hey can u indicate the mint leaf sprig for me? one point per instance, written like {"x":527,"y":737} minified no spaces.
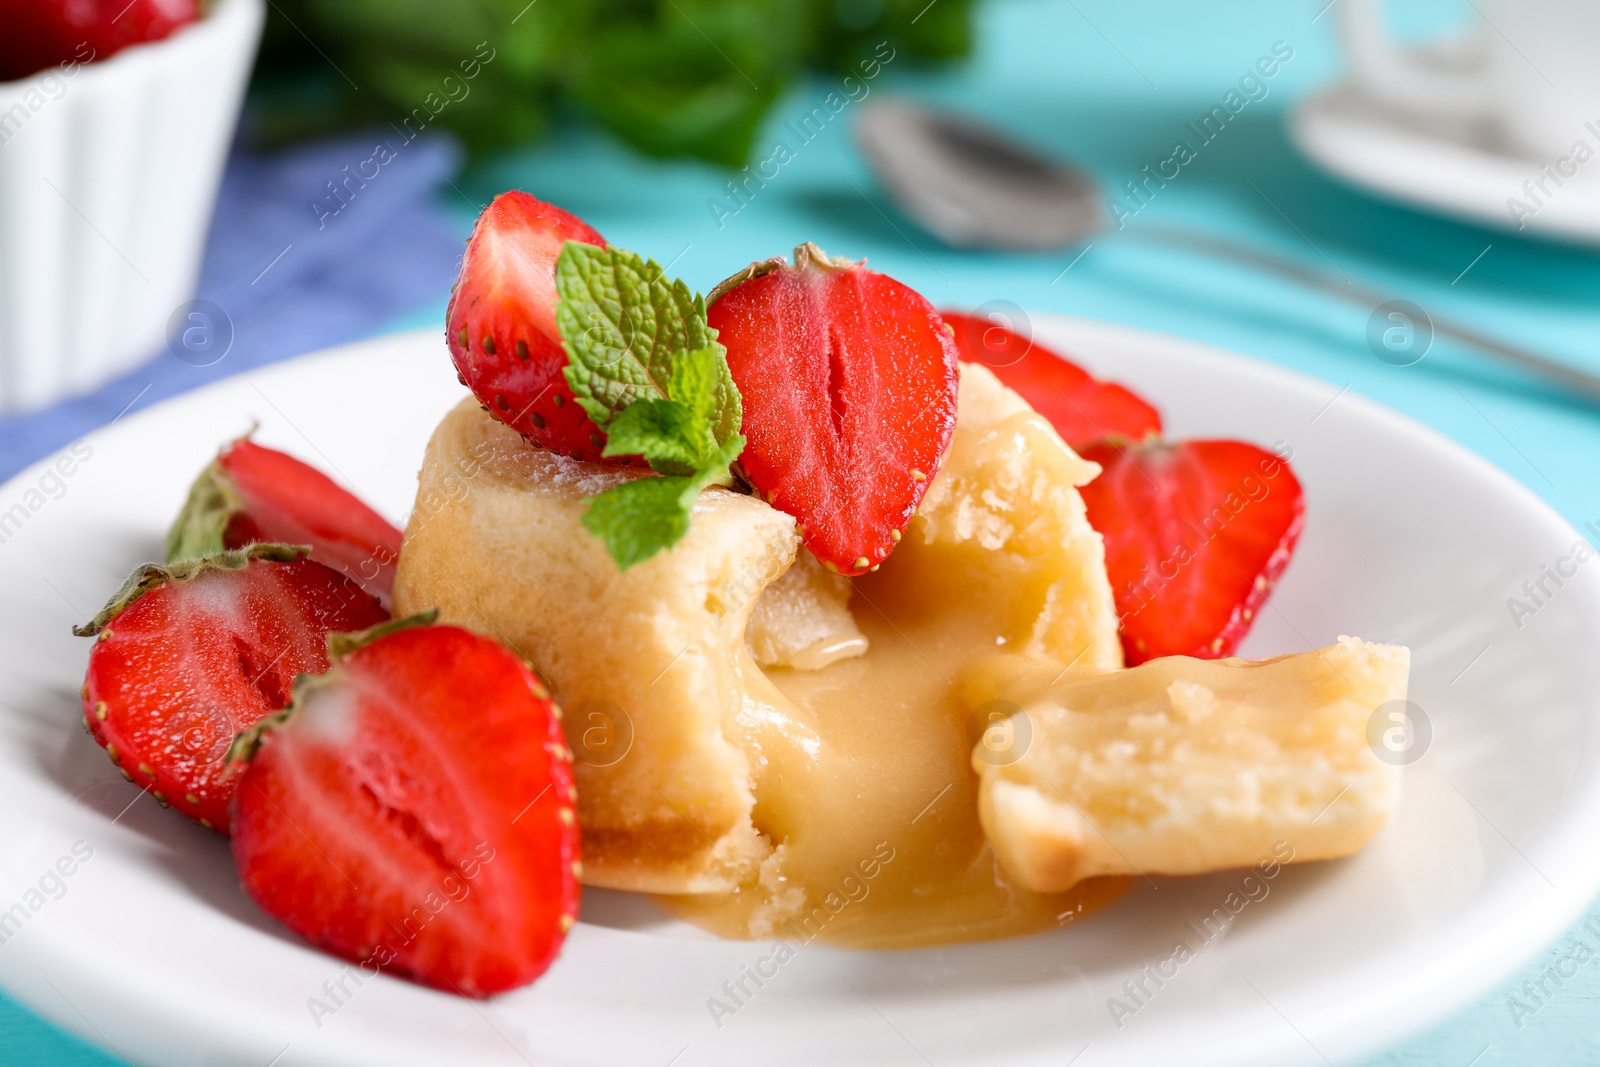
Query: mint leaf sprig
{"x":645,"y":366}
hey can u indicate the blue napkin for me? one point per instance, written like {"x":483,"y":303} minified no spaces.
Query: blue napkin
{"x":323,"y":243}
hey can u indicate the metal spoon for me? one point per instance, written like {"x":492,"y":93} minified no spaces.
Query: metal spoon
{"x":974,"y":187}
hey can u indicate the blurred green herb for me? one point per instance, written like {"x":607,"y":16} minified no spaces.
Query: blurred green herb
{"x":670,"y":77}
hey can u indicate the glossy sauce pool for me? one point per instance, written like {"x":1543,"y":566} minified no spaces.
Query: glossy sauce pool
{"x":864,"y":776}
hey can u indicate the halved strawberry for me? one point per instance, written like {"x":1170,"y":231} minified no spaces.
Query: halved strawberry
{"x":501,"y":323}
{"x":1196,"y":534}
{"x":414,"y":809}
{"x":190,"y":654}
{"x":849,"y":385}
{"x":251,"y":494}
{"x":1082,"y":408}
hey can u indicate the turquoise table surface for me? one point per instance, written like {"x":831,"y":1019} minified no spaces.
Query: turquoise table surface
{"x":1113,"y":85}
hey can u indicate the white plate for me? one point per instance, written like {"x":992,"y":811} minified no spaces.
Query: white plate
{"x":1455,"y":168}
{"x":154,"y":949}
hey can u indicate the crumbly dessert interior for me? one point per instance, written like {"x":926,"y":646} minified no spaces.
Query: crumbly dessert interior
{"x":1182,"y":766}
{"x":803,"y":620}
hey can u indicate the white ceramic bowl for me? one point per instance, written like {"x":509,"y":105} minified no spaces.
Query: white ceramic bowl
{"x":108,"y":174}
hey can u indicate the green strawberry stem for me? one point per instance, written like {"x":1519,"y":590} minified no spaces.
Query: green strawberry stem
{"x":342,"y":644}
{"x":203,"y":523}
{"x":149,"y":575}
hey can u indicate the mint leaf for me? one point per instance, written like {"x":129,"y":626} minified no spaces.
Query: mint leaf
{"x":698,"y":384}
{"x":676,"y":435}
{"x":658,"y":430}
{"x":626,"y":328}
{"x":639,"y":518}
{"x":648,"y":370}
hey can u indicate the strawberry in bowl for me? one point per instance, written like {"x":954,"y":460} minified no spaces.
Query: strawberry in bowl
{"x":91,"y":93}
{"x":42,"y":33}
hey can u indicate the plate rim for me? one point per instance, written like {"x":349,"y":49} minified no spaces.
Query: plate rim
{"x":1320,"y":134}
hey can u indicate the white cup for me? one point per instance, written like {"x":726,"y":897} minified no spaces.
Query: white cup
{"x":1531,"y":71}
{"x":108,"y":173}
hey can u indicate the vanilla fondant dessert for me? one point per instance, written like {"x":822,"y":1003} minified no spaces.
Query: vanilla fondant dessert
{"x":793,"y":730}
{"x":852,"y":642}
{"x":784,"y":724}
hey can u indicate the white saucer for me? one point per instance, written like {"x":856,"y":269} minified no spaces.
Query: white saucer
{"x":1457,"y":169}
{"x":150,"y":946}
